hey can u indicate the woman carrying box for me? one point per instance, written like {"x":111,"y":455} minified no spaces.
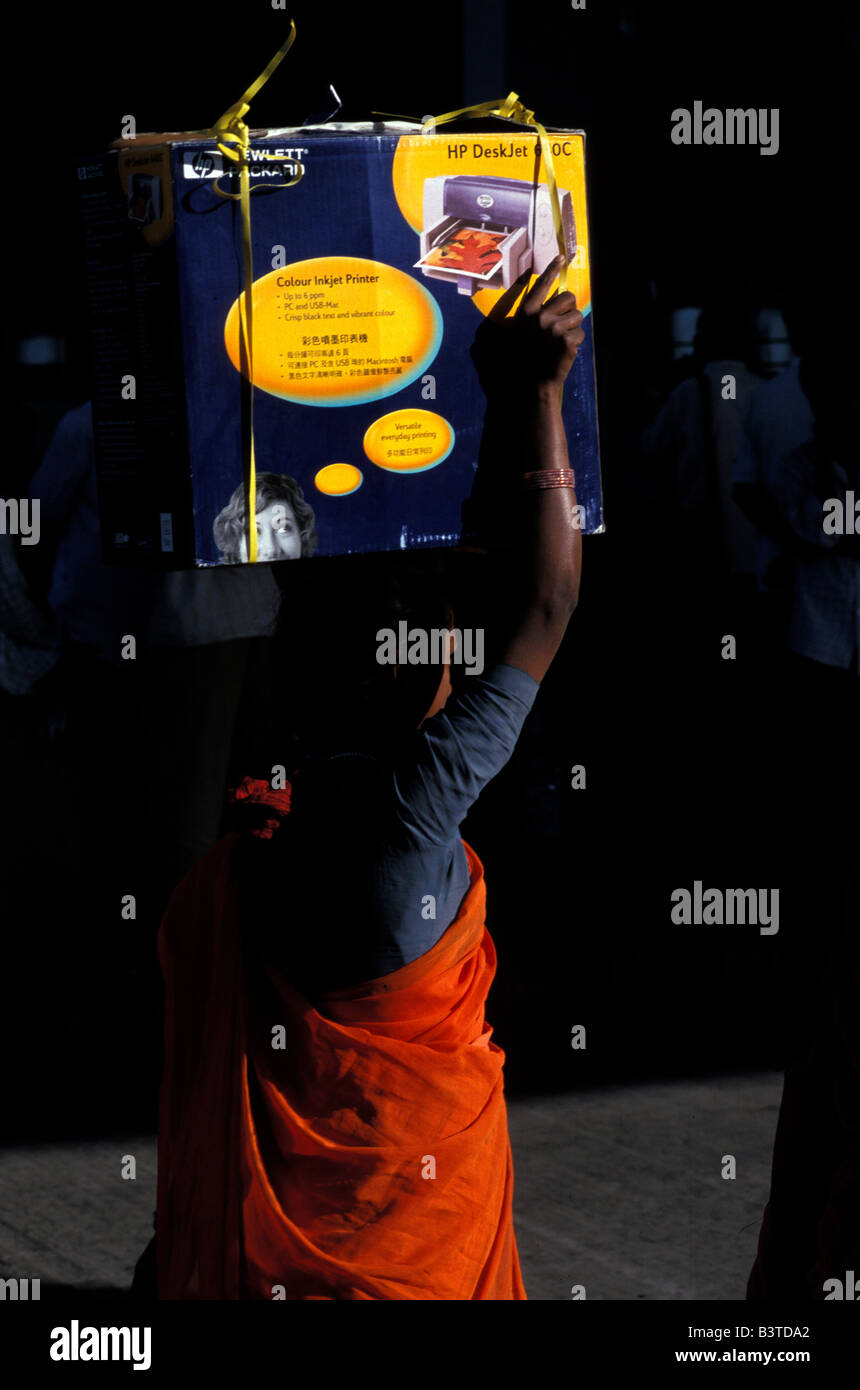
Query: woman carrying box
{"x":332,"y":1121}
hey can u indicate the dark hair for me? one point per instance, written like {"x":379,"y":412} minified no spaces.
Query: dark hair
{"x":229,"y":524}
{"x":333,"y":693}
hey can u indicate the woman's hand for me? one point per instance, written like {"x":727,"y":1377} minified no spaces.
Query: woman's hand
{"x":533,"y":351}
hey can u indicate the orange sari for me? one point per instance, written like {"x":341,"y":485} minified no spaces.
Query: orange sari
{"x":358,"y":1149}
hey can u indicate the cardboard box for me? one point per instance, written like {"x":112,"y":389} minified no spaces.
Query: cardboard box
{"x":371,"y":273}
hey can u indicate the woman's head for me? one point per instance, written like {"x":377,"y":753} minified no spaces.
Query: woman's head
{"x":337,"y":691}
{"x":286,"y":526}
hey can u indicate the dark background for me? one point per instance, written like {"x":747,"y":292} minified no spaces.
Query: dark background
{"x":696,"y":767}
{"x":671,"y":224}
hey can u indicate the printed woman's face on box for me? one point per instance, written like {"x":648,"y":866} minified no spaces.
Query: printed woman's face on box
{"x":278,"y":536}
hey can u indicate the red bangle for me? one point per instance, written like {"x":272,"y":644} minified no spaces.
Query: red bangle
{"x":549,"y":477}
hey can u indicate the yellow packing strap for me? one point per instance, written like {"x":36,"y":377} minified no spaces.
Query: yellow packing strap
{"x":233,"y":139}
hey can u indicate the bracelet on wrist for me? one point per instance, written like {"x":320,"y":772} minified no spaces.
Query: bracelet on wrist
{"x":548,"y":477}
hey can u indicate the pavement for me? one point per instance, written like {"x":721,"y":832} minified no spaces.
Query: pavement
{"x":618,"y":1191}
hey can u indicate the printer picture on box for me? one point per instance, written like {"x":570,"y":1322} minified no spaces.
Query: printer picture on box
{"x":482,"y":232}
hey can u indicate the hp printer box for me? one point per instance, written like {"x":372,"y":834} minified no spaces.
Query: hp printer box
{"x":376,"y":250}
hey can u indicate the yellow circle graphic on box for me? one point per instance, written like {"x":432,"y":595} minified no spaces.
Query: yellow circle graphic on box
{"x":338,"y":330}
{"x":409,"y":441}
{"x":338,"y":479}
{"x":422,"y":173}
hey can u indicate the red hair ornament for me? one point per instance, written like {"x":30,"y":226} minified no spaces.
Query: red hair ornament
{"x":258,"y":792}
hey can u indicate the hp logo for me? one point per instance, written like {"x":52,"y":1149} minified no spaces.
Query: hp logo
{"x":203,"y":164}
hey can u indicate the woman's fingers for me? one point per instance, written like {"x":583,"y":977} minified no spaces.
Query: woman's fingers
{"x":546,"y":326}
{"x":560,"y":322}
{"x":564,"y":304}
{"x":532,"y":302}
